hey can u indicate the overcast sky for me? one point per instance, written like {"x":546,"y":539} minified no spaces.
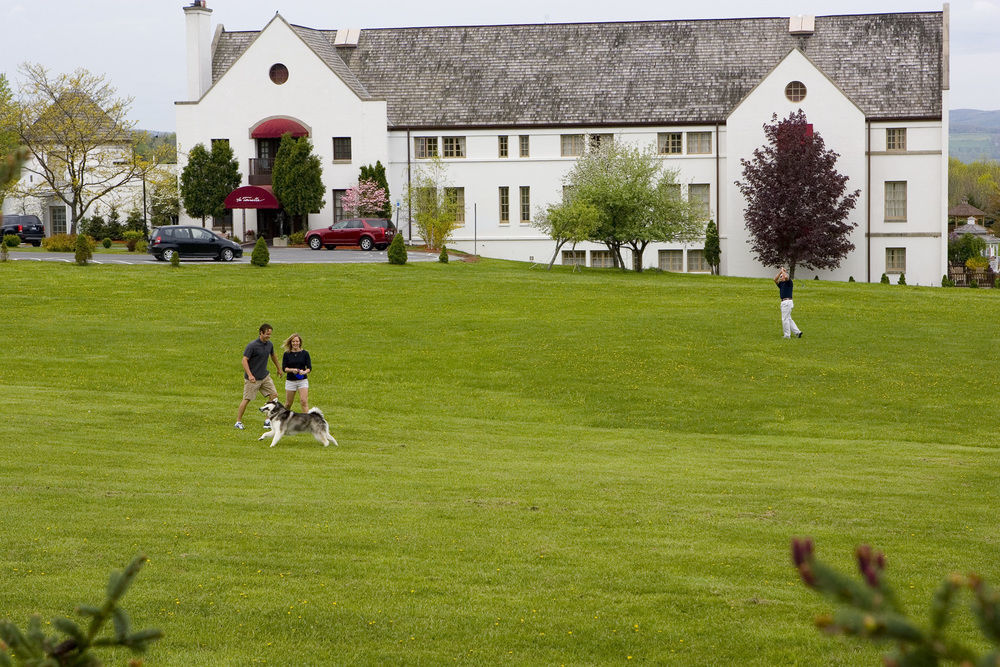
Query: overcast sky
{"x":139,"y":44}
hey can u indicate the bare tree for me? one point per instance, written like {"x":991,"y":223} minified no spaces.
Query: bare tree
{"x":80,"y":140}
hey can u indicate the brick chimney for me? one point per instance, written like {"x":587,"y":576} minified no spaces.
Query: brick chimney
{"x":199,"y":48}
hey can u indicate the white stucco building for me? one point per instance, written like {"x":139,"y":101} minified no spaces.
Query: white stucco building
{"x":510,"y":108}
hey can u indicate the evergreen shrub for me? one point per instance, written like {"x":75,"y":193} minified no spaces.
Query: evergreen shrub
{"x":902,"y":279}
{"x":4,"y":255}
{"x":885,"y":279}
{"x":397,"y":250}
{"x":260,"y":256}
{"x":84,"y":249}
{"x":175,"y":259}
{"x":298,"y":238}
{"x":11,"y":240}
{"x":141,"y":245}
{"x":132,"y":237}
{"x":973,"y":284}
{"x":850,"y":279}
{"x":106,"y":242}
{"x":443,"y":257}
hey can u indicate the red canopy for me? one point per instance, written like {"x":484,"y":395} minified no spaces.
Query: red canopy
{"x":252,"y":196}
{"x":274,"y":128}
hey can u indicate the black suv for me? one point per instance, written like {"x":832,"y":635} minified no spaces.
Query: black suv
{"x":191,"y":241}
{"x":27,"y":227}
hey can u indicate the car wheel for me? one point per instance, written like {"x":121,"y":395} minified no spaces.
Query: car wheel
{"x":381,"y":246}
{"x":315,"y":242}
{"x":330,"y":247}
{"x":366,"y":243}
{"x":167,"y":255}
{"x":226,"y":255}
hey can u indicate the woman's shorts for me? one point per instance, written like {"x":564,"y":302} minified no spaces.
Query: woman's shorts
{"x":295,"y":385}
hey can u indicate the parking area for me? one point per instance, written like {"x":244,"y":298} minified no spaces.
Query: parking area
{"x":278,"y":256}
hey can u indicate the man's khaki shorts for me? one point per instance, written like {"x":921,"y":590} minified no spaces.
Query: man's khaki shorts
{"x":265,"y":387}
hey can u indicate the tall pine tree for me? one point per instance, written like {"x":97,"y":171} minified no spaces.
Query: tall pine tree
{"x":297,"y":179}
{"x":796,"y":209}
{"x":377,"y":174}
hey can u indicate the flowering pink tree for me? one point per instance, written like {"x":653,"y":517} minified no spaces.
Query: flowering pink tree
{"x":367,"y":198}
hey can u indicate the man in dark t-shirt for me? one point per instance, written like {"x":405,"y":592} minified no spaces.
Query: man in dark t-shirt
{"x":256,"y":377}
{"x":784,"y":283}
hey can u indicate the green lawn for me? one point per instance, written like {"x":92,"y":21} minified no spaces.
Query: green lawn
{"x":534,"y":467}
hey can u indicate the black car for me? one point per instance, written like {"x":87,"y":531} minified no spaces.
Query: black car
{"x":28,"y":227}
{"x":189,"y":241}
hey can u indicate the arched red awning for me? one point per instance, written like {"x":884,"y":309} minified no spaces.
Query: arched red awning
{"x":252,"y":196}
{"x":276,"y":127}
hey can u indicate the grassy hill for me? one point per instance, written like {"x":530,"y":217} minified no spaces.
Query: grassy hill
{"x":974,"y":135}
{"x":534,"y":467}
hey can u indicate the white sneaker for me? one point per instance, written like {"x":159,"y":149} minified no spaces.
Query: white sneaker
{"x":238,"y":425}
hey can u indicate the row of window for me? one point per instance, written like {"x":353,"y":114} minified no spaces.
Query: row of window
{"x":570,"y":145}
{"x":669,"y":260}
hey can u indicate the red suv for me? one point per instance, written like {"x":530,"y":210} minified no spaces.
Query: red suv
{"x":365,"y":232}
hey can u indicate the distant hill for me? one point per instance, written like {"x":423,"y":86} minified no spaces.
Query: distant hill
{"x":974,"y":135}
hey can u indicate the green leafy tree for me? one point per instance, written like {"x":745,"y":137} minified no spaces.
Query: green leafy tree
{"x":297,"y":179}
{"x":638,"y":200}
{"x":164,"y":198}
{"x":570,"y":221}
{"x":978,"y":182}
{"x":260,"y":255}
{"x":397,"y":250}
{"x":713,"y":251}
{"x":964,"y":248}
{"x":78,"y":133}
{"x":376,"y":174}
{"x":433,"y":210}
{"x":796,"y":207}
{"x":207,"y":179}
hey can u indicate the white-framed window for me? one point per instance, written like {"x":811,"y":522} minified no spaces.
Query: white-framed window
{"x":504,"y":205}
{"x":571,"y":145}
{"x":341,"y":149}
{"x":895,"y":201}
{"x":598,"y":140}
{"x":699,"y":143}
{"x":671,"y":260}
{"x":456,"y":196}
{"x":895,"y":139}
{"x":525,"y":142}
{"x":669,"y":143}
{"x":57,"y":215}
{"x":453,"y":146}
{"x":696,"y":262}
{"x":338,"y":205}
{"x":502,"y":146}
{"x":574,"y":257}
{"x":525,"y":204}
{"x":895,"y":260}
{"x":425,"y":147}
{"x":700,"y":196}
{"x":601,"y":259}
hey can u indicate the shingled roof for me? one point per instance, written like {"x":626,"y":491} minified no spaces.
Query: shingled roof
{"x":629,"y":73}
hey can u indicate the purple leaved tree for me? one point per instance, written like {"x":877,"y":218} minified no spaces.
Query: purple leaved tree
{"x":366,"y":199}
{"x":796,"y":209}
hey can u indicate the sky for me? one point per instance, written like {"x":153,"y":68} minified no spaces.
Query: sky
{"x":139,"y":44}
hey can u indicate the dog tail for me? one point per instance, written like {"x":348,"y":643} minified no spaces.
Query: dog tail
{"x":317,"y":411}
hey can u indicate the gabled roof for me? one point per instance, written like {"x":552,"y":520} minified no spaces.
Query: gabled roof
{"x":965,"y":210}
{"x":629,"y":73}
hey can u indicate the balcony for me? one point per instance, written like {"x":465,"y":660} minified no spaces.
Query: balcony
{"x":260,"y":170}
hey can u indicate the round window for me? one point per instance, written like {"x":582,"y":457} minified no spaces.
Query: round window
{"x":795,"y":91}
{"x":278,"y":73}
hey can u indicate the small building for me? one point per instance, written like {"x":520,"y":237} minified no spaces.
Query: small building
{"x":509,"y":108}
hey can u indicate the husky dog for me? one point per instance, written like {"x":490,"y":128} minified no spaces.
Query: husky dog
{"x":285,"y":422}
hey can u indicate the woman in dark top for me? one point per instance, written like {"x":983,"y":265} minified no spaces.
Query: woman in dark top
{"x":296,"y":365}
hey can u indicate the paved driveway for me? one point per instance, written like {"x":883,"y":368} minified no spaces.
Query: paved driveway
{"x":278,"y":256}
